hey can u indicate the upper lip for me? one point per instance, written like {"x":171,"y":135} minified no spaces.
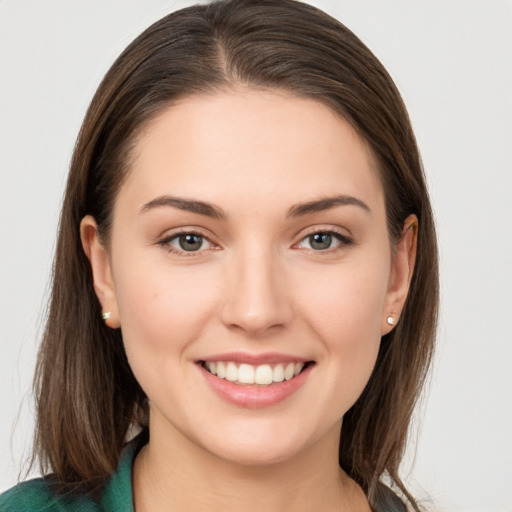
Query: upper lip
{"x":255,"y":359}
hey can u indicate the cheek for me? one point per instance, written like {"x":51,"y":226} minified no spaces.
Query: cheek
{"x":345,"y":313}
{"x":161,"y":308}
{"x":348,"y":303}
{"x":162,"y":314}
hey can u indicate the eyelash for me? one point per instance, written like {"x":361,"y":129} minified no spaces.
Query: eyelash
{"x":342,"y":239}
{"x":165,"y":243}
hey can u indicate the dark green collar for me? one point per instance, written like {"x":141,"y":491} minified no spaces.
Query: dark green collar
{"x":117,"y":495}
{"x":118,"y":492}
{"x":38,"y":495}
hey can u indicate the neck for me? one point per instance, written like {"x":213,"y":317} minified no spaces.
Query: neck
{"x":173,"y":473}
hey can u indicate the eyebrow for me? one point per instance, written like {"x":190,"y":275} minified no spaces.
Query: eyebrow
{"x":326,"y":203}
{"x":188,"y":205}
{"x":215,"y":212}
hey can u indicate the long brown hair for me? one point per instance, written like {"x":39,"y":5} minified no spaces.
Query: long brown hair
{"x":87,"y":396}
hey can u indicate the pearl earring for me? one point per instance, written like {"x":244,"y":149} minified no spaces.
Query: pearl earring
{"x":390,"y":320}
{"x":106,"y":315}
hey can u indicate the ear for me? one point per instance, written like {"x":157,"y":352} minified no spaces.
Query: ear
{"x":404,"y":259}
{"x":101,"y":270}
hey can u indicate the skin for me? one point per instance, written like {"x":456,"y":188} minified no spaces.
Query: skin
{"x":256,"y":285}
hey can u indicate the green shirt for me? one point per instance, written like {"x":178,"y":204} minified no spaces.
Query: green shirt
{"x":37,"y":496}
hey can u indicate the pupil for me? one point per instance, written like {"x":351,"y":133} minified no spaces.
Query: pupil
{"x":320,"y":241}
{"x":190,"y":242}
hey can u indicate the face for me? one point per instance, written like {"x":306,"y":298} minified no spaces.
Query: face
{"x":250,"y":270}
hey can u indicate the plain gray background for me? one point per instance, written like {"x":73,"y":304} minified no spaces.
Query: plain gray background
{"x":452,"y":61}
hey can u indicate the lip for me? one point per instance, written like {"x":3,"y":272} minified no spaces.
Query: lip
{"x":254,"y":396}
{"x":255,"y":359}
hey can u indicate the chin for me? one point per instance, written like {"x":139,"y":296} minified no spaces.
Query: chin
{"x":256,"y":454}
{"x":263,"y":445}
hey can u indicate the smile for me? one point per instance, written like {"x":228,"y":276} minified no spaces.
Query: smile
{"x":247,"y":374}
{"x":255,"y":381}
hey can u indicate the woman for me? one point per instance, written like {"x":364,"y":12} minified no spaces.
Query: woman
{"x":245,"y":276}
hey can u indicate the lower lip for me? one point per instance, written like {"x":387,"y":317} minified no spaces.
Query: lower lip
{"x":255,"y":396}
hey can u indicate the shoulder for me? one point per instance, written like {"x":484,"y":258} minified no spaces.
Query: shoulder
{"x":34,"y":493}
{"x":37,"y":496}
{"x":388,"y":501}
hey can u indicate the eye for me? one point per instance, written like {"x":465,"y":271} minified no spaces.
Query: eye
{"x":187,"y":242}
{"x":323,"y":241}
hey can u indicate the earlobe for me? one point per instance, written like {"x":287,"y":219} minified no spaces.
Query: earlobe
{"x":404,"y":259}
{"x":100,"y":265}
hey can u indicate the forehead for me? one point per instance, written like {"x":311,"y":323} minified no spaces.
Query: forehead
{"x":250,"y":144}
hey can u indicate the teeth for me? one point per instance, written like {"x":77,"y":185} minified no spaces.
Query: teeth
{"x":246,"y":374}
{"x":279,"y":373}
{"x":231,"y":372}
{"x":262,"y":375}
{"x":288,"y":371}
{"x":221,"y":370}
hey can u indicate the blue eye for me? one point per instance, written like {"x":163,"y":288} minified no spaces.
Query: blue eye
{"x":187,"y":242}
{"x":320,"y":241}
{"x":323,"y":241}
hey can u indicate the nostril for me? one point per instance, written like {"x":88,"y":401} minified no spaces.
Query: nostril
{"x":256,"y":301}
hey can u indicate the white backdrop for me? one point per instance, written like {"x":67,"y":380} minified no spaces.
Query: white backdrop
{"x":451,"y":59}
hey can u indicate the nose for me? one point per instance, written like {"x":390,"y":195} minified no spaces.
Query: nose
{"x":256,"y":294}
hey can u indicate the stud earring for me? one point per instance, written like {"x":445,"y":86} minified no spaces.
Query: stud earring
{"x":390,"y":320}
{"x":106,"y":315}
